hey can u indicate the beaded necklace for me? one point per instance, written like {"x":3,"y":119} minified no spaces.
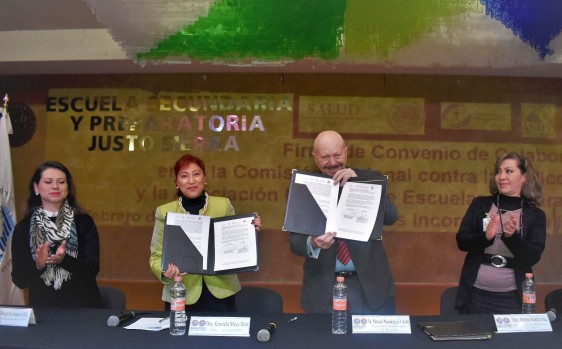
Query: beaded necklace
{"x":201,"y":211}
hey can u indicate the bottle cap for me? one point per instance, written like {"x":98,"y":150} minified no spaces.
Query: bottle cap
{"x":529,"y":275}
{"x":178,"y":278}
{"x":340,"y":279}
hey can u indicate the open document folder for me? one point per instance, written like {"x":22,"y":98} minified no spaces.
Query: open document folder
{"x":316,"y":206}
{"x":204,"y":245}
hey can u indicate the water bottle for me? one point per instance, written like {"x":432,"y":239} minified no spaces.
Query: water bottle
{"x":529,"y":295}
{"x":178,"y":319}
{"x":339,"y":307}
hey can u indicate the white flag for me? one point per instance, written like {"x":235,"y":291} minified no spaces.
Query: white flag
{"x":9,"y":293}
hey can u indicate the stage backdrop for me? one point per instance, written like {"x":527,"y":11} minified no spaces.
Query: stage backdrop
{"x":435,"y":137}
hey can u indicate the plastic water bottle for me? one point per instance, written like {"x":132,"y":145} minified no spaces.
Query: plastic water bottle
{"x":529,"y":295}
{"x":178,"y":319}
{"x":339,"y":307}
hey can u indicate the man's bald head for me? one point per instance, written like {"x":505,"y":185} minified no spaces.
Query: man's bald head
{"x":330,"y":152}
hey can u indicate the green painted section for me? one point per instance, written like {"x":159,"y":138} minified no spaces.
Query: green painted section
{"x":266,"y":30}
{"x":377,"y":27}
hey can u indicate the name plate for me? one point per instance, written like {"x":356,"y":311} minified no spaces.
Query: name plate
{"x":381,"y":324}
{"x":508,"y":323}
{"x":219,"y":326}
{"x":20,"y":317}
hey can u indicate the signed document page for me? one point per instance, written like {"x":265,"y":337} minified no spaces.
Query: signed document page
{"x":315,"y":205}
{"x":203,"y":245}
{"x":196,"y":228}
{"x":356,"y":213}
{"x":235,"y":242}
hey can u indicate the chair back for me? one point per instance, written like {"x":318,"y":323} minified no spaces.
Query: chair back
{"x":258,"y":300}
{"x":112,"y":298}
{"x":447,"y":303}
{"x":553,"y":300}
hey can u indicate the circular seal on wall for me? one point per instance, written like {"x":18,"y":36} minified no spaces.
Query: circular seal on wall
{"x":23,"y":122}
{"x":456,"y":116}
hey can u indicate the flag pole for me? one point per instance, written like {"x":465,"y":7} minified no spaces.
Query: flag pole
{"x":10,"y":294}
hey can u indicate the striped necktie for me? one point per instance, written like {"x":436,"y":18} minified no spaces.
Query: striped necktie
{"x":343,"y":252}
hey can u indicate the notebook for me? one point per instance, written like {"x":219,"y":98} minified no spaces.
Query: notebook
{"x":453,"y":330}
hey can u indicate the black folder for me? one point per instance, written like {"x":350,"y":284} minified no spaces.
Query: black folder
{"x":177,"y":248}
{"x":304,"y":216}
{"x":454,"y":330}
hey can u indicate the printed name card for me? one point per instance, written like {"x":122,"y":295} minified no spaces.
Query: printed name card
{"x":381,"y":324}
{"x":20,"y":317}
{"x":219,"y":326}
{"x":508,"y":323}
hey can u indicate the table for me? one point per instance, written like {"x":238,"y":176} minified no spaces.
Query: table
{"x":87,"y":328}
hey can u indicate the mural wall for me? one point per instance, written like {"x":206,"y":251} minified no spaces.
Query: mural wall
{"x":396,"y":33}
{"x":435,"y":137}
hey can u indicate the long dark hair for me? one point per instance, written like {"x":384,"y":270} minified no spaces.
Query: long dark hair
{"x":531,"y":189}
{"x":34,"y":201}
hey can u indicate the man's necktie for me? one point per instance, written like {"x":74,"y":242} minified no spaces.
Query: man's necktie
{"x":343,"y":252}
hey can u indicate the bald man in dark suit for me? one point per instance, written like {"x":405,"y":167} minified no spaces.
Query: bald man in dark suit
{"x":368,"y":275}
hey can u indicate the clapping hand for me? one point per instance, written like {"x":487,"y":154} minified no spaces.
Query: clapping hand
{"x":41,"y":255}
{"x":59,"y":255}
{"x":510,"y":227}
{"x":493,"y":227}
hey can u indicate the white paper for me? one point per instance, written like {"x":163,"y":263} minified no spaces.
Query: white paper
{"x":356,"y":212}
{"x":323,"y":190}
{"x":234,"y":244}
{"x":508,"y":323}
{"x":19,"y":317}
{"x":353,"y":217}
{"x":381,"y":324}
{"x":219,"y":326}
{"x":197,"y":230}
{"x":150,"y":324}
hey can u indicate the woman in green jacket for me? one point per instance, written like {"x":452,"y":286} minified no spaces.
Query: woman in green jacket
{"x":204,"y":292}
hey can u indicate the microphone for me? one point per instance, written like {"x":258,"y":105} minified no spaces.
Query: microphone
{"x":551,"y":314}
{"x":265,"y":334}
{"x":118,"y":320}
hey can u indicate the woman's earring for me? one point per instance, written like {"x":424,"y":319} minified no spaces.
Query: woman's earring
{"x":36,"y":193}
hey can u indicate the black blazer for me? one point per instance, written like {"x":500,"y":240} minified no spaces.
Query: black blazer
{"x":81,"y":290}
{"x":369,"y":258}
{"x":526,"y":249}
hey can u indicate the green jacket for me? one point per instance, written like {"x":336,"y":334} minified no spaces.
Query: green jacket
{"x":221,"y":286}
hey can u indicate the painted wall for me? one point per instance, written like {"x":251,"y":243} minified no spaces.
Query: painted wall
{"x":404,"y":33}
{"x":436,"y":137}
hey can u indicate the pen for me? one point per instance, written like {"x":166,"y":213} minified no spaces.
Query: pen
{"x":165,"y":319}
{"x":293,"y":319}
